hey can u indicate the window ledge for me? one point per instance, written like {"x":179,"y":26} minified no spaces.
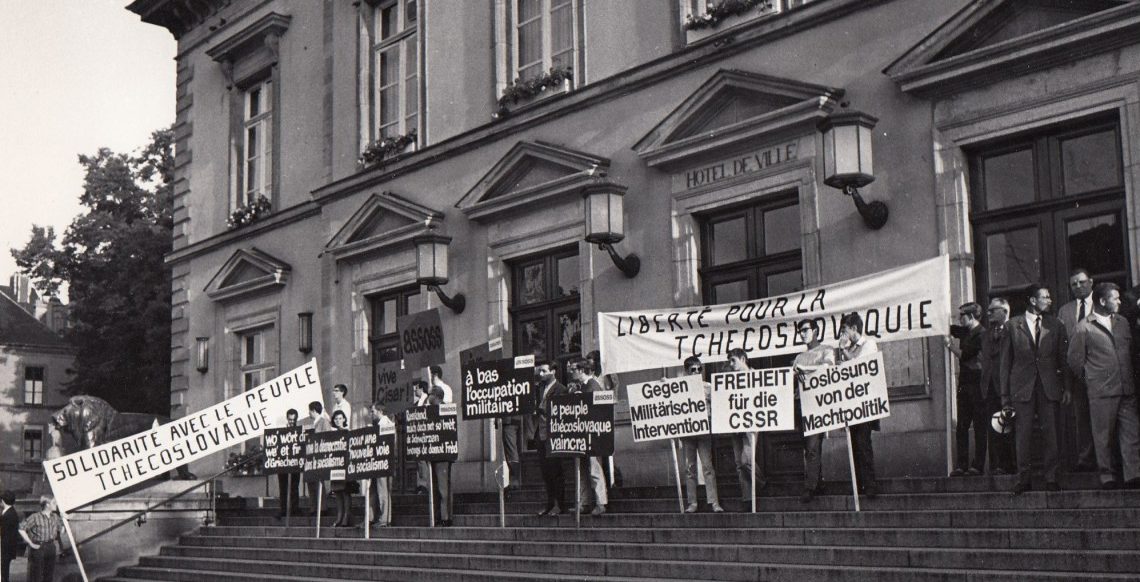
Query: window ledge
{"x":525,"y":103}
{"x":729,"y":23}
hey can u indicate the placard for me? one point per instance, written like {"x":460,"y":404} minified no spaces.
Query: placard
{"x":395,"y":387}
{"x":371,"y":452}
{"x":326,"y":455}
{"x":421,"y":339}
{"x":668,"y":408}
{"x":903,"y":303}
{"x":582,"y":424}
{"x":851,"y":393}
{"x":284,"y":450}
{"x":432,"y":433}
{"x":89,"y":475}
{"x":498,"y":388}
{"x":753,"y":401}
{"x":485,"y":352}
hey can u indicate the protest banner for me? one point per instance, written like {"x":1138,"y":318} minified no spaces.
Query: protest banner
{"x":485,"y":352}
{"x":371,"y":451}
{"x":898,"y":304}
{"x":284,"y":450}
{"x":498,"y":388}
{"x":421,"y":339}
{"x":582,"y":424}
{"x":753,"y":401}
{"x":89,"y":475}
{"x":668,"y":408}
{"x":851,"y":393}
{"x":432,"y":433}
{"x":394,"y":387}
{"x":326,"y":455}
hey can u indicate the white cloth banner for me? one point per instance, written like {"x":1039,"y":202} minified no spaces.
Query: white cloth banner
{"x":668,"y":408}
{"x":753,"y":401}
{"x":851,"y":393}
{"x":87,"y":476}
{"x":903,"y":303}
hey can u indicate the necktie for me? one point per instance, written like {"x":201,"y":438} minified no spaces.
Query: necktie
{"x":1081,"y":315}
{"x":1037,"y":330}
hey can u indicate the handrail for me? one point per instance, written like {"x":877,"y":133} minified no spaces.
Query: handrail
{"x":137,"y":515}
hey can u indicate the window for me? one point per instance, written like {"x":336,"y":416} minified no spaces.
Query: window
{"x":257,"y":144}
{"x":545,"y":308}
{"x":1046,"y":203}
{"x":386,"y":308}
{"x":33,"y":444}
{"x":34,"y":385}
{"x":544,"y":35}
{"x":256,"y":363}
{"x":396,"y":62}
{"x":751,"y":252}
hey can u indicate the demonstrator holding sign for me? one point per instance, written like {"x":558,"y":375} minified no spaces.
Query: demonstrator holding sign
{"x":853,"y":344}
{"x":816,"y":358}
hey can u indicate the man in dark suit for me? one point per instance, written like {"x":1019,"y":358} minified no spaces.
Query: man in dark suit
{"x":288,"y":484}
{"x":552,"y":475}
{"x":1002,"y":458}
{"x":1101,"y":356}
{"x":972,"y":411}
{"x":1032,"y":382}
{"x":1072,"y":313}
{"x":9,"y":533}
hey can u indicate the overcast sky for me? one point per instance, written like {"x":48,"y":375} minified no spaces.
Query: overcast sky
{"x":75,"y":75}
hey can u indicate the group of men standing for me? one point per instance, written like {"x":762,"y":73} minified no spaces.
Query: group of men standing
{"x":1023,"y":369}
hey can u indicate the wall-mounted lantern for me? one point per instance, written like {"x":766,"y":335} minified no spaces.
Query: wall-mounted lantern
{"x":847,"y":161}
{"x":431,"y":267}
{"x":605,"y":223}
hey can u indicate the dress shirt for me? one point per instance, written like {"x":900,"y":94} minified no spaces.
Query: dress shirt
{"x":1031,"y":319}
{"x":447,"y":393}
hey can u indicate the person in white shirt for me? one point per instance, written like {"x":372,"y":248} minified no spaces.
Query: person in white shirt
{"x":437,"y":380}
{"x":816,"y":358}
{"x":381,"y":490}
{"x":340,"y":402}
{"x":1070,"y":314}
{"x":699,"y":446}
{"x":853,"y":344}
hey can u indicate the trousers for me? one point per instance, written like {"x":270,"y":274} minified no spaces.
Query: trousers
{"x":692,"y":448}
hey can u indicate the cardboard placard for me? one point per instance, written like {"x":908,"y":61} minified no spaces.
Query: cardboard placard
{"x":753,"y":401}
{"x":326,"y":455}
{"x":492,"y":350}
{"x":284,"y":450}
{"x":582,"y":424}
{"x":499,"y":388}
{"x":668,"y":408}
{"x":432,"y":433}
{"x":371,"y":452}
{"x":421,"y":339}
{"x":851,"y":393}
{"x":394,"y":387}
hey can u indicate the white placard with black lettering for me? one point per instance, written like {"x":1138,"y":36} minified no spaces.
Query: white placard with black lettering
{"x":753,"y":401}
{"x":668,"y":408}
{"x":848,"y":394}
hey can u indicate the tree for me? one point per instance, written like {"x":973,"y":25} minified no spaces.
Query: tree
{"x":111,"y":258}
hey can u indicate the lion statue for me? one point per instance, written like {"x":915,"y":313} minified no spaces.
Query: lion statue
{"x":93,"y":421}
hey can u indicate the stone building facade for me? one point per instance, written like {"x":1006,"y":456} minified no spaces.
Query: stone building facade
{"x":1006,"y":137}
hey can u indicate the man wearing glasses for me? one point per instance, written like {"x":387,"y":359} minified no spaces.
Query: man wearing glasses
{"x":699,"y":445}
{"x":1002,"y":458}
{"x":816,"y":358}
{"x":1072,"y":313}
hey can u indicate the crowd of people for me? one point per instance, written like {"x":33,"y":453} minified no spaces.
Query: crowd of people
{"x":1031,"y":369}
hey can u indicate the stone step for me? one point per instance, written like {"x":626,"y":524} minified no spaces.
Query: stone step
{"x":516,"y":552}
{"x":1055,"y":539}
{"x":1102,"y":518}
{"x":198,"y":570}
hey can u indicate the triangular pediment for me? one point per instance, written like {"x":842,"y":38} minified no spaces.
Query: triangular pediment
{"x":990,"y":39}
{"x":247,"y":271}
{"x":383,"y":220}
{"x":733,"y":108}
{"x":529,"y":172}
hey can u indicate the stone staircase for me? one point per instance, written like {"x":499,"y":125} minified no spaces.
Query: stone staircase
{"x":962,"y":529}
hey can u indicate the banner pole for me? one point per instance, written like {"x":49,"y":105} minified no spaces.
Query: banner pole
{"x":74,"y":548}
{"x":367,"y":508}
{"x":288,"y":498}
{"x":851,"y":459}
{"x":320,"y":496}
{"x":578,"y":492}
{"x":951,"y":407}
{"x":677,"y":474}
{"x":431,"y":495}
{"x":495,"y":438}
{"x":752,"y":465}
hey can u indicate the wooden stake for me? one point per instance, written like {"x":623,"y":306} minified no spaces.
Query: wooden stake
{"x":431,"y":495}
{"x":677,"y":473}
{"x":851,"y":459}
{"x":320,"y":496}
{"x":74,"y":548}
{"x":752,"y":439}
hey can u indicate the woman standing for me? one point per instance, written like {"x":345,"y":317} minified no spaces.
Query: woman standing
{"x":340,"y":487}
{"x":40,"y":531}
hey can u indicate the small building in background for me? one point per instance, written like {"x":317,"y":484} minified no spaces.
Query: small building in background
{"x":35,"y":364}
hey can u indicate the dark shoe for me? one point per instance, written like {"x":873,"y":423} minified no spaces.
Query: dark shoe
{"x":1110,"y":485}
{"x":1085,"y":467}
{"x":1132,"y":484}
{"x":1020,"y":487}
{"x":973,"y":472}
{"x":421,"y":490}
{"x":1052,"y":486}
{"x":957,"y":472}
{"x":445,"y":523}
{"x":998,"y":471}
{"x":806,"y":496}
{"x":582,"y":510}
{"x":871,"y":491}
{"x":598,"y":509}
